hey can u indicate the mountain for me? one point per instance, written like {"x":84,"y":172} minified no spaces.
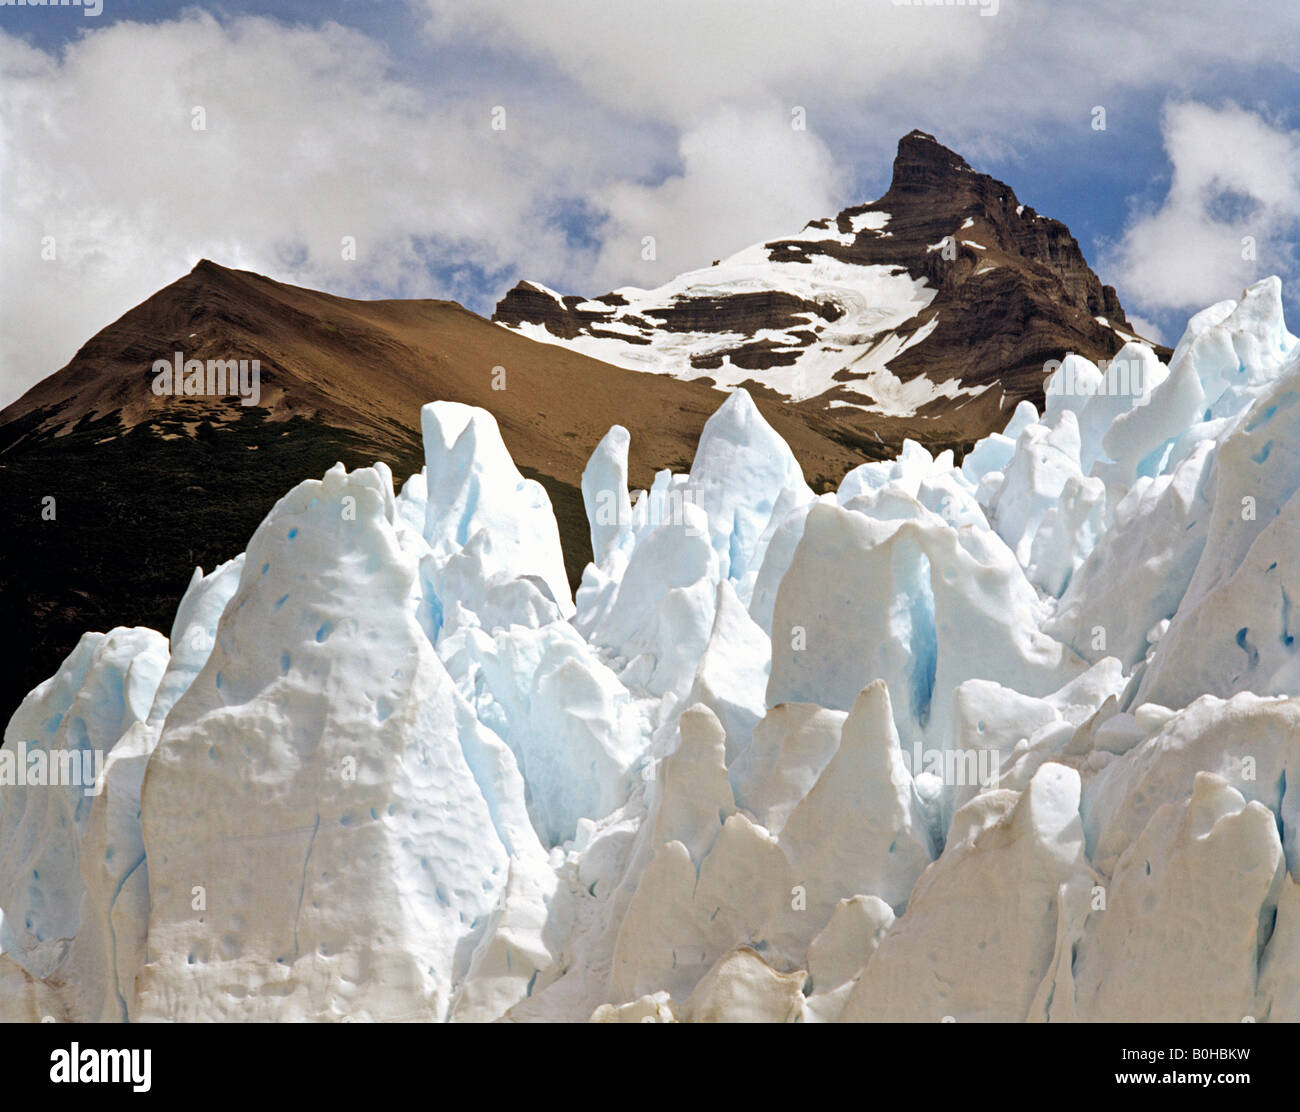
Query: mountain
{"x":146,"y":487}
{"x":934,"y":308}
{"x":851,"y":336}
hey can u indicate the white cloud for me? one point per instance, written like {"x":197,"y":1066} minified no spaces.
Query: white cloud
{"x":682,"y":59}
{"x":1145,"y":328}
{"x":669,"y":119}
{"x":746,"y":176}
{"x":307,"y":140}
{"x":1231,"y":212}
{"x":1035,"y":62}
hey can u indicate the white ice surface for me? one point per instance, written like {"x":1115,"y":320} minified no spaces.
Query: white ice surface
{"x":1015,"y":740}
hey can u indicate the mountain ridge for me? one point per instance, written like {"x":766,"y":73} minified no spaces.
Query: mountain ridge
{"x":997,"y":292}
{"x":142,"y":488}
{"x":116,"y":494}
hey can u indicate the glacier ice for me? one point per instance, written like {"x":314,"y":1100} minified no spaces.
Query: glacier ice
{"x":1010,"y":740}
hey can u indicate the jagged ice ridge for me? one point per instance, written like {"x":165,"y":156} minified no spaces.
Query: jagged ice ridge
{"x":1014,"y":740}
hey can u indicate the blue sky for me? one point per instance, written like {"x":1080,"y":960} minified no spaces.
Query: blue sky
{"x":372,"y":119}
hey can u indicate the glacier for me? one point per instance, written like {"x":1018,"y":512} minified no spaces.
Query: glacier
{"x":1014,"y":740}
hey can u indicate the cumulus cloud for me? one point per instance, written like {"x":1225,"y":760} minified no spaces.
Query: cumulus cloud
{"x":745,"y":176}
{"x":1230,"y":215}
{"x":681,"y":59}
{"x":1148,"y":330}
{"x":305,"y":139}
{"x":994,"y":78}
{"x":624,"y":120}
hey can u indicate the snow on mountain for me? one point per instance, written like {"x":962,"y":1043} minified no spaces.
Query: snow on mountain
{"x":979,"y":742}
{"x":886,"y":309}
{"x":841,"y":316}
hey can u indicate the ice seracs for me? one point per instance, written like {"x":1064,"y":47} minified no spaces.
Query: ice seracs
{"x":1012,"y":740}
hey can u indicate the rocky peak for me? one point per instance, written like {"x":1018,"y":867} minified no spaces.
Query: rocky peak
{"x":924,"y":164}
{"x":945,"y":295}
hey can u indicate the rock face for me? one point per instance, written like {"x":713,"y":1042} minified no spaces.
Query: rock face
{"x":944,"y":295}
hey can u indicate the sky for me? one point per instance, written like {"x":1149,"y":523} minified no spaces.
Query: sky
{"x":443,"y":148}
